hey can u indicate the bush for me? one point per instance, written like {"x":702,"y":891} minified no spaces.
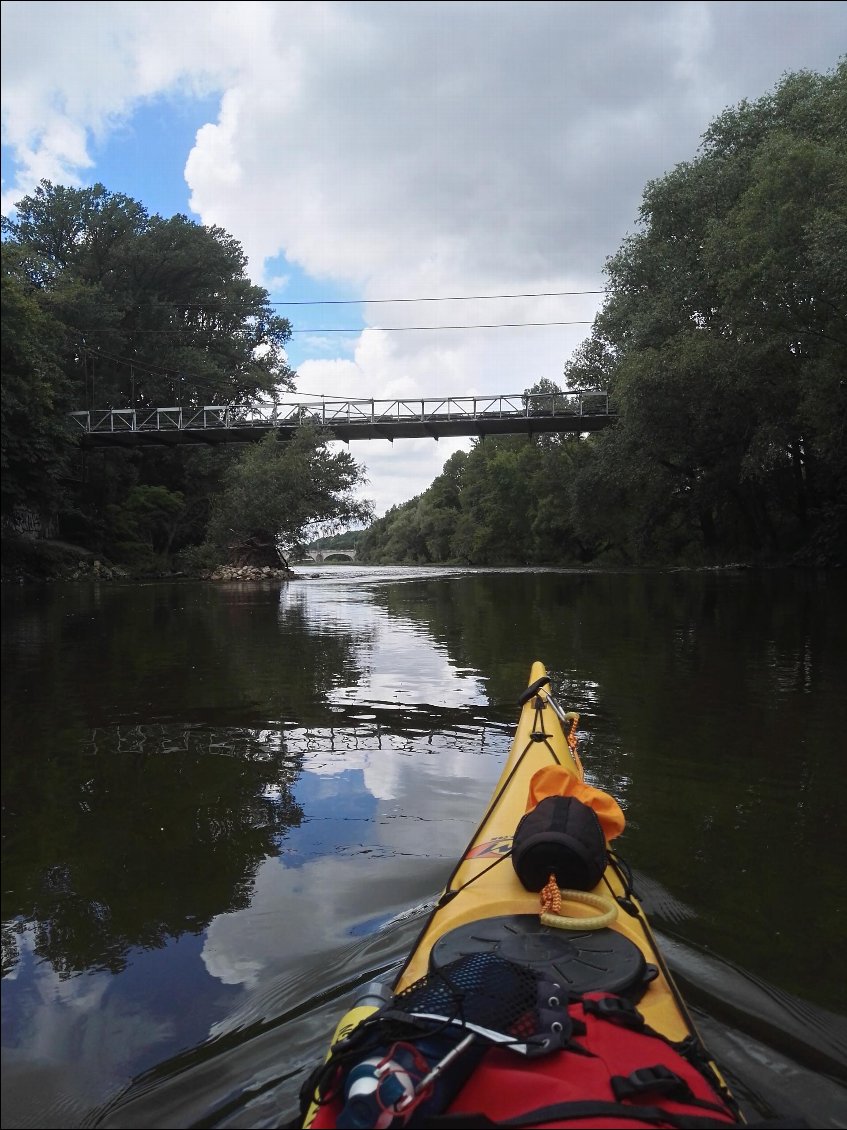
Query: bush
{"x":197,"y":558}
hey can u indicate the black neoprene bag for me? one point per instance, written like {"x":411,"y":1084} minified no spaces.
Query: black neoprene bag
{"x":561,"y":836}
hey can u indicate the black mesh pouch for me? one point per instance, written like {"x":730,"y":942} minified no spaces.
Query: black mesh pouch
{"x":561,"y":836}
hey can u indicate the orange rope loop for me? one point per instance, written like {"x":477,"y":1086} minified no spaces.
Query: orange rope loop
{"x":573,"y":717}
{"x":551,"y":897}
{"x":570,"y":736}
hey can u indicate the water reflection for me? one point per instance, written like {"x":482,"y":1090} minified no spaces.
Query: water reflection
{"x":121,"y":812}
{"x":152,"y":831}
{"x":399,"y":657}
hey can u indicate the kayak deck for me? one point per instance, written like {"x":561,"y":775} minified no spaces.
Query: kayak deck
{"x":484,"y":885}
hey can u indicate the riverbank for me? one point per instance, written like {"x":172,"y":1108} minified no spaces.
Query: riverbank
{"x":31,"y":560}
{"x":25,"y":559}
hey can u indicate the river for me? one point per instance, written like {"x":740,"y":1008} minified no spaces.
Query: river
{"x":227,"y":806}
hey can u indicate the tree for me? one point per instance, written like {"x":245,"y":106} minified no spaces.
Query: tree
{"x":144,"y":526}
{"x":161,"y":311}
{"x":724,"y":335}
{"x":35,"y":397}
{"x":111,"y":307}
{"x":280,"y":494}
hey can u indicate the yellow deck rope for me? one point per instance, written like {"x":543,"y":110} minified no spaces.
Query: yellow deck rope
{"x":552,"y":898}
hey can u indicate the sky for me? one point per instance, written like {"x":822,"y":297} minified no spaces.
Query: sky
{"x":393,"y":170}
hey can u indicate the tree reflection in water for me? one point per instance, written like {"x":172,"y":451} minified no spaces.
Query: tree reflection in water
{"x":145,"y":833}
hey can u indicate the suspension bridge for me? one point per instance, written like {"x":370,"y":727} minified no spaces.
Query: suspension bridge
{"x":436,"y":418}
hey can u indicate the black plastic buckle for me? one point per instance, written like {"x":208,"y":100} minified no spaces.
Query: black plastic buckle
{"x":618,"y":1010}
{"x":656,"y":1080}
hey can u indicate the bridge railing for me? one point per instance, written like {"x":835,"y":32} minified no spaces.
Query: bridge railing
{"x":331,"y":412}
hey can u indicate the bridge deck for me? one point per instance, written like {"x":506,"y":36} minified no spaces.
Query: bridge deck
{"x":348,"y":420}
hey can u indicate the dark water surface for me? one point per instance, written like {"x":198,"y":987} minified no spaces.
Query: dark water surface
{"x":227,"y":806}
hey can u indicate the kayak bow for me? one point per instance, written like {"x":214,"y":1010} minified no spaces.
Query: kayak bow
{"x":536,"y":963}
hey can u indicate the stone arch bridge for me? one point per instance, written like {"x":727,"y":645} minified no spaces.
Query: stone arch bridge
{"x":321,"y":555}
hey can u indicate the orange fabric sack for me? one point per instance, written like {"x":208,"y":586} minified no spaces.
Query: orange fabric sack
{"x":554,"y":780}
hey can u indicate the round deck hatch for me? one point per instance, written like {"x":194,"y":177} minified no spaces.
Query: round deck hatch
{"x":580,"y":962}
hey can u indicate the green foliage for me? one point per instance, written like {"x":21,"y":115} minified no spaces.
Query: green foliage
{"x":142,"y":527}
{"x":32,"y":558}
{"x":160,"y":311}
{"x":723,"y":342}
{"x":34,"y":399}
{"x":278,"y":494}
{"x":197,"y":558}
{"x":505,"y":502}
{"x":347,"y":539}
{"x":106,"y":306}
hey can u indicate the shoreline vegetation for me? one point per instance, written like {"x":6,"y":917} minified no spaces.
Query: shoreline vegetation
{"x":27,"y":560}
{"x":32,"y":560}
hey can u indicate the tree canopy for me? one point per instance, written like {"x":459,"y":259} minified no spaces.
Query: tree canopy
{"x":35,"y":396}
{"x":504,"y":502}
{"x":724,"y":338}
{"x":280,"y":493}
{"x":157,"y":311}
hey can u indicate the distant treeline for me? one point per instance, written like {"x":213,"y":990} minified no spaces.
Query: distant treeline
{"x":723,"y":344}
{"x":347,"y":540}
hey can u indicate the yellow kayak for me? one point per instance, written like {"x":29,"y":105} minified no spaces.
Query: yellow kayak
{"x":536,"y":964}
